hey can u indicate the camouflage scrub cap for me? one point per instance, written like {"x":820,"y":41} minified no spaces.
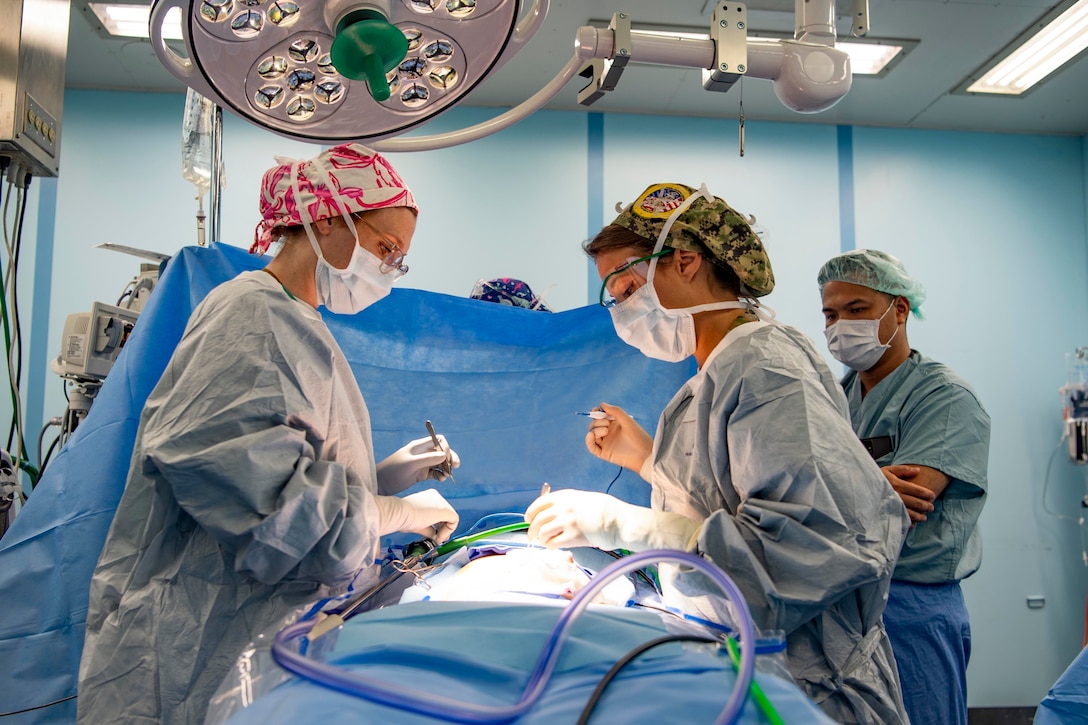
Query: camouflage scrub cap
{"x":715,"y":230}
{"x":876,"y":270}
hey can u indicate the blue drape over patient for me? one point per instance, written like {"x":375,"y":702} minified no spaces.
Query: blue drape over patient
{"x":501,"y":383}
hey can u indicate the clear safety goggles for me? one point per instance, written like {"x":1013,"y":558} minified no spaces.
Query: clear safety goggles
{"x":622,"y":282}
{"x":391,"y":256}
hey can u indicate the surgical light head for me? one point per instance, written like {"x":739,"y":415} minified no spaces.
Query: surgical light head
{"x":331,"y":71}
{"x":338,"y":70}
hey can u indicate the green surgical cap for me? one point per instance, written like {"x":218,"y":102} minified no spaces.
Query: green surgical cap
{"x":713,"y":229}
{"x":876,"y":270}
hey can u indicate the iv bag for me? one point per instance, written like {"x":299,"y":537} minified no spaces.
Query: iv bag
{"x":196,"y":141}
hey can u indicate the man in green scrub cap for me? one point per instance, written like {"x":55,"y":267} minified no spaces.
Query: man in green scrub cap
{"x":930,"y":434}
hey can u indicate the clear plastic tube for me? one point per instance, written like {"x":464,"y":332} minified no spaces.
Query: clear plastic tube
{"x":425,"y":703}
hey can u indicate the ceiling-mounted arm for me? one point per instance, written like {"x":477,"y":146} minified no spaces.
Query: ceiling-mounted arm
{"x":861,"y":18}
{"x":814,"y":21}
{"x":604,"y":73}
{"x":486,"y":128}
{"x":729,"y":33}
{"x":809,"y":75}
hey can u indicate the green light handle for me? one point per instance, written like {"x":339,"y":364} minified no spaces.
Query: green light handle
{"x":366,"y":47}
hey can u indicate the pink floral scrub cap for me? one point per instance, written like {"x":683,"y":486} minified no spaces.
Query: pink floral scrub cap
{"x":339,"y":181}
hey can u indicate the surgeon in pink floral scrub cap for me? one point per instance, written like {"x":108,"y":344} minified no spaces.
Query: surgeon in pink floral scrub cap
{"x":253,"y":487}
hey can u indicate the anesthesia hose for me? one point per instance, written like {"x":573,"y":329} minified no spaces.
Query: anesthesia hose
{"x":424,"y":703}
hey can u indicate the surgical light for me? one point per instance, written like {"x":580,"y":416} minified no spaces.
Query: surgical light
{"x":331,"y":71}
{"x":1045,"y":51}
{"x":340,"y":70}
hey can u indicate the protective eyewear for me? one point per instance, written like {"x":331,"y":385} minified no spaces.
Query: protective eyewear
{"x":622,"y":282}
{"x":391,"y":256}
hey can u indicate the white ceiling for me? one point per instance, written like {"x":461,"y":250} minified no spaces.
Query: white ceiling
{"x":954,"y":37}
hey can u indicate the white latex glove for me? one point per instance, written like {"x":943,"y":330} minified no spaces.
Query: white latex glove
{"x":570,"y":517}
{"x":620,"y":440}
{"x":415,"y":462}
{"x":425,"y":513}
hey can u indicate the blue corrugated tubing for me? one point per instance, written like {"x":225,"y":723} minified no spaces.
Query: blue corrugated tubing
{"x":424,"y":703}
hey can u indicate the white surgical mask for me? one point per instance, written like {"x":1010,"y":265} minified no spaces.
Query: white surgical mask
{"x":351,"y":290}
{"x":644,"y":323}
{"x":856,"y":343}
{"x":658,"y":332}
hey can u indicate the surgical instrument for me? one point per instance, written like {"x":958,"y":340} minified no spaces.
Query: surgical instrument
{"x":445,"y":467}
{"x":417,"y":552}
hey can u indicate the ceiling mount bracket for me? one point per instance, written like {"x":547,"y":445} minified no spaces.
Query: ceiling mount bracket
{"x":604,"y":74}
{"x":729,"y":31}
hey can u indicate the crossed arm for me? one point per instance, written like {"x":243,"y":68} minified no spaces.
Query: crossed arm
{"x":918,"y":486}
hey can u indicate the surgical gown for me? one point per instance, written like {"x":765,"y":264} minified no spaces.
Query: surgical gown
{"x":250,"y":493}
{"x":759,"y":447}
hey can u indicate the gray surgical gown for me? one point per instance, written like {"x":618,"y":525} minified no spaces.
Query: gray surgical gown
{"x":250,"y":492}
{"x":759,"y":447}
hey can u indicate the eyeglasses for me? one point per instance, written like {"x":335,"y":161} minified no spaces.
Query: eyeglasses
{"x":391,"y":256}
{"x":622,"y":282}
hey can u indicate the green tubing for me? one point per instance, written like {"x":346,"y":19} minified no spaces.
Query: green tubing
{"x":758,"y":695}
{"x":457,"y":543}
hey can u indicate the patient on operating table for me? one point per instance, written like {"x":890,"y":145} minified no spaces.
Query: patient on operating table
{"x":512,"y":574}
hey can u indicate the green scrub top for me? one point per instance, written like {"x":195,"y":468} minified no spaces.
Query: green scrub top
{"x":933,"y":418}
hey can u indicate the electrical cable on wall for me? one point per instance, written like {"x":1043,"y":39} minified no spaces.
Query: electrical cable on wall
{"x":15,"y":347}
{"x":18,"y":180}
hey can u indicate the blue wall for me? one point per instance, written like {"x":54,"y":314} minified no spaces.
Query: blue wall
{"x":994,"y":226}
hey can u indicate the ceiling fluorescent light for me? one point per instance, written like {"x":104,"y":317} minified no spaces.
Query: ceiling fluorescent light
{"x":869,"y":59}
{"x":131,"y":21}
{"x":871,"y":56}
{"x":1034,"y":58}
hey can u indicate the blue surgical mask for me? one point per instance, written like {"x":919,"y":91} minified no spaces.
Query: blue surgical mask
{"x":856,"y":343}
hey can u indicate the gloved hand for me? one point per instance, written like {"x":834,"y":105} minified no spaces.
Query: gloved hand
{"x":413,"y":463}
{"x":620,"y":440}
{"x":425,"y":513}
{"x":570,"y":517}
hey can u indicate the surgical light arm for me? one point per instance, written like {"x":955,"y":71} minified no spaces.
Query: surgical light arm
{"x":809,"y":74}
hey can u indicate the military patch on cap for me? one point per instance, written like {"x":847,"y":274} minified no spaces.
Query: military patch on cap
{"x":660,"y":200}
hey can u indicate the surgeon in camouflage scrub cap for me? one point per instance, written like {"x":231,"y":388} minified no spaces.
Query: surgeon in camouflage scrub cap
{"x":753,"y":464}
{"x":717,"y":231}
